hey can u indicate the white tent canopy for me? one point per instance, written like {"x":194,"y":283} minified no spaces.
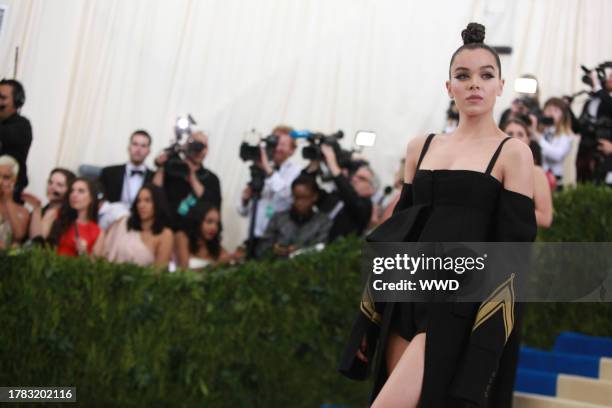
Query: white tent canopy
{"x":95,"y":70}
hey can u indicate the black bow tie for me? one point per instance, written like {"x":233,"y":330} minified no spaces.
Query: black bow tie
{"x":139,"y":172}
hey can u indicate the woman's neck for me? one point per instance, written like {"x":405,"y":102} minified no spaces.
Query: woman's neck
{"x":146,"y":225}
{"x":475,"y":127}
{"x":82,"y":216}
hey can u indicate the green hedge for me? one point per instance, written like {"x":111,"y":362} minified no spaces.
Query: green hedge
{"x":263,"y":334}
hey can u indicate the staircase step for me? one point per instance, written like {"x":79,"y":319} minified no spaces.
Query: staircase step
{"x":605,"y":369}
{"x":576,"y":343}
{"x":584,"y":389}
{"x":526,"y":400}
{"x":557,"y":362}
{"x":535,"y":382}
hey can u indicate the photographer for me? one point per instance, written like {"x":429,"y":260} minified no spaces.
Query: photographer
{"x":15,"y":130}
{"x":275,"y":195}
{"x":350,"y":206}
{"x":598,"y":110}
{"x":186,"y":181}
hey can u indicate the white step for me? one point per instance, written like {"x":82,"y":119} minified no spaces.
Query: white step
{"x":584,"y":389}
{"x":526,"y":400}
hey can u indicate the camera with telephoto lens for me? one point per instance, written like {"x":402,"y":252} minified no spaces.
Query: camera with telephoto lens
{"x":601,"y":74}
{"x":316,"y":140}
{"x":251,"y":152}
{"x":176,"y":166}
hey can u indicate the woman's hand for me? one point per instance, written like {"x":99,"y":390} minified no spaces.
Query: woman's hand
{"x":32,"y":200}
{"x":362,"y":350}
{"x":81,"y":246}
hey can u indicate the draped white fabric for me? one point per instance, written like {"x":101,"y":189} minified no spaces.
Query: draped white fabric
{"x":94,"y":70}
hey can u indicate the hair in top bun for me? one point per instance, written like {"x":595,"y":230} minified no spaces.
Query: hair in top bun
{"x":473,"y":38}
{"x":474,"y":33}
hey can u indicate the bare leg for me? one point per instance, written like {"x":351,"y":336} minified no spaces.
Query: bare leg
{"x":395,"y":349}
{"x":403,"y":386}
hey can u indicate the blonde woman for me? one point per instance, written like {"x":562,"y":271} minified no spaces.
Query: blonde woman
{"x":557,"y":142}
{"x":14,"y":218}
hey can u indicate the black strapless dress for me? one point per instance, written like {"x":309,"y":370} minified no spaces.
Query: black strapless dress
{"x":462,"y":366}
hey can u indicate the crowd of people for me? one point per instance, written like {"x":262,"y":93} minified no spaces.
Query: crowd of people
{"x":171,"y":217}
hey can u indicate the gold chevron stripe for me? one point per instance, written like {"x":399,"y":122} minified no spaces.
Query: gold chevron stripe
{"x":502,"y":299}
{"x":367,"y":305}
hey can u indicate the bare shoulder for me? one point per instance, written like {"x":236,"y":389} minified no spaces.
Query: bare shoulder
{"x":179,"y":237}
{"x":415,"y":145}
{"x":413,"y":151}
{"x":167,"y":234}
{"x":517,"y":152}
{"x":517,"y":167}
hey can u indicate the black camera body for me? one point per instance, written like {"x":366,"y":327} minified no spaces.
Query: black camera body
{"x":178,"y":153}
{"x":176,"y":166}
{"x":316,"y":140}
{"x":251,"y":152}
{"x":601,"y":74}
{"x":594,"y":129}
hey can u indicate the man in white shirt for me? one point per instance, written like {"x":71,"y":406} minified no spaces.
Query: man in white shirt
{"x":276,"y":193}
{"x":122,"y":182}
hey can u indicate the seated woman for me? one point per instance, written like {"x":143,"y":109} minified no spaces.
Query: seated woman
{"x":300,"y":226}
{"x":14,"y":218}
{"x":42,"y":218}
{"x":542,"y":195}
{"x":75,"y":231}
{"x":198,"y":244}
{"x":142,"y":238}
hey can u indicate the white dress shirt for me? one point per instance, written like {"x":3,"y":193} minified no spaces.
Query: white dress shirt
{"x":132,"y":183}
{"x":275,"y":196}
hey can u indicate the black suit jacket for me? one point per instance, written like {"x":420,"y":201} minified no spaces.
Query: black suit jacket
{"x":111,"y":180}
{"x":15,"y":140}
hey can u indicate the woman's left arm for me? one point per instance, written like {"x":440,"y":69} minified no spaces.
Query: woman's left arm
{"x":518,"y":168}
{"x":98,"y":248}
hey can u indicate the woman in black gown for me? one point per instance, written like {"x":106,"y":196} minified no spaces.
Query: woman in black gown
{"x":472,"y":185}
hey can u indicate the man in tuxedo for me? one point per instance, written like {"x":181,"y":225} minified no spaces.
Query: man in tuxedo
{"x":122,"y":182}
{"x":15,"y":130}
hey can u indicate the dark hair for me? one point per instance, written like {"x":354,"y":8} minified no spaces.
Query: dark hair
{"x":307,"y":181}
{"x":68,"y":215}
{"x":192,"y":226}
{"x":70,"y":176}
{"x":143,"y":133}
{"x":524,"y":122}
{"x":19,"y":96}
{"x":160,"y":210}
{"x":473,"y":38}
{"x":518,"y":121}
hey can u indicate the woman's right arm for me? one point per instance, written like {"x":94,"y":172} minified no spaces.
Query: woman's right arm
{"x":556,"y":151}
{"x":163,"y":252}
{"x":181,"y":248}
